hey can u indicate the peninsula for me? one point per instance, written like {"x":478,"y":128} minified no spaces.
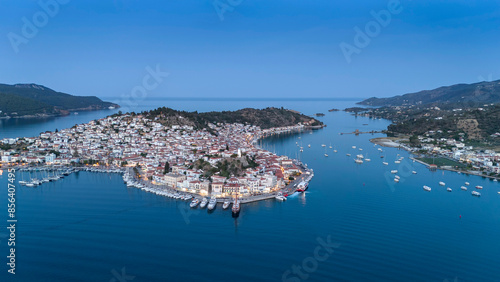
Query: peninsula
{"x":200,"y":154}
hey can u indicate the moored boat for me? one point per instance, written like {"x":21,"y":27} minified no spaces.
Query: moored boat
{"x":212,"y":203}
{"x":427,"y":188}
{"x":194,"y":203}
{"x":463,"y":188}
{"x":203,"y":203}
{"x":226,"y":205}
{"x":479,"y":187}
{"x":448,"y":189}
{"x":236,"y":208}
{"x":442,"y":183}
{"x":475,"y":193}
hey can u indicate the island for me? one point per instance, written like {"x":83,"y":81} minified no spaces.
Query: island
{"x":173,"y":153}
{"x":33,"y":101}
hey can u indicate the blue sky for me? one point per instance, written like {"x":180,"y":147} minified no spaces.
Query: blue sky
{"x":272,"y":48}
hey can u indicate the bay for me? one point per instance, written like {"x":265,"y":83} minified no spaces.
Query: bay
{"x":90,"y":226}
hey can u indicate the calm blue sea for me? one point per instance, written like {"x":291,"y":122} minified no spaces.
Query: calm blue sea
{"x":91,"y":227}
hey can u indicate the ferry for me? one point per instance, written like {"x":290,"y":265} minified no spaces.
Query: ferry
{"x":194,"y":203}
{"x":212,"y":203}
{"x":479,"y":187}
{"x":463,"y":188}
{"x":302,"y":186}
{"x":427,"y":188}
{"x":204,"y":203}
{"x":448,"y":189}
{"x":226,"y":205}
{"x":475,"y":193}
{"x":442,"y":183}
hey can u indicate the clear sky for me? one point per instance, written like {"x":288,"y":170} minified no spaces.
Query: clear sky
{"x":255,"y":48}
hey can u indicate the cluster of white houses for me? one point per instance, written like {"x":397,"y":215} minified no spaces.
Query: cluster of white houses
{"x":487,"y":160}
{"x":135,"y":141}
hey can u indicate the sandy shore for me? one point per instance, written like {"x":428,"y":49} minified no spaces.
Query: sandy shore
{"x":385,"y":142}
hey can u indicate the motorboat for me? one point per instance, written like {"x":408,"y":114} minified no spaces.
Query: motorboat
{"x":414,"y":172}
{"x":194,"y":203}
{"x":442,"y":183}
{"x":226,"y":205}
{"x":280,"y":197}
{"x":427,"y":188}
{"x":394,"y":171}
{"x":396,"y":180}
{"x":448,"y":189}
{"x":467,"y":183}
{"x":475,"y":193}
{"x":463,"y":188}
{"x":358,"y":161}
{"x":479,"y":187}
{"x":385,"y":163}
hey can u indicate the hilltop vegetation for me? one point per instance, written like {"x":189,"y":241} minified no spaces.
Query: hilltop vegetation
{"x":464,"y":95}
{"x":265,"y":118}
{"x":36,"y":100}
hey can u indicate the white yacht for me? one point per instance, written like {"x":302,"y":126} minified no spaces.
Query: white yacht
{"x":394,"y":171}
{"x":323,"y":145}
{"x":442,"y":183}
{"x":358,"y":161}
{"x":226,"y":205}
{"x":204,"y":203}
{"x":326,"y":155}
{"x":479,"y":187}
{"x":427,"y":188}
{"x":212,"y":203}
{"x":463,"y":188}
{"x":467,"y":183}
{"x":359,"y":156}
{"x":368,"y":160}
{"x":397,"y":176}
{"x":396,"y":180}
{"x":448,"y":189}
{"x":475,"y":193}
{"x":385,"y":163}
{"x":354,"y":147}
{"x":414,"y":172}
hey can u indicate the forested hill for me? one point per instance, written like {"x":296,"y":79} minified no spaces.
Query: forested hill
{"x":476,"y":94}
{"x":265,"y":118}
{"x":36,"y":100}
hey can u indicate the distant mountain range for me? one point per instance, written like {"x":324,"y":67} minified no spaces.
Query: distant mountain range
{"x":21,"y":100}
{"x":475,"y":94}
